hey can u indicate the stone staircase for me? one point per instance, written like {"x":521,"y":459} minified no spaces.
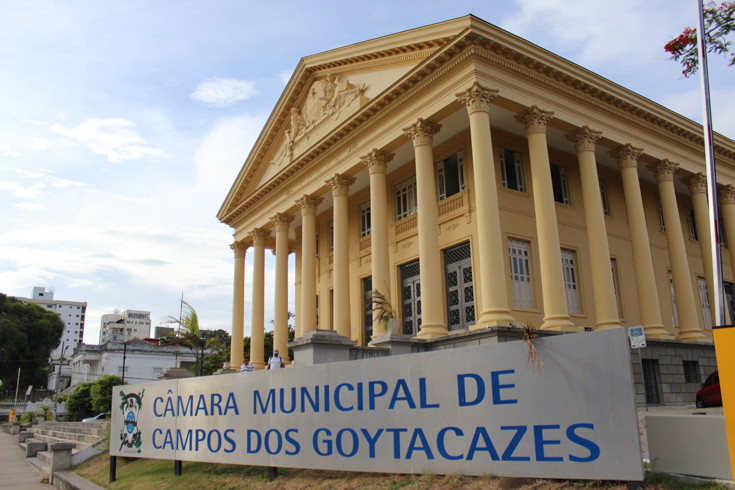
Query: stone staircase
{"x":82,"y":434}
{"x":61,"y":445}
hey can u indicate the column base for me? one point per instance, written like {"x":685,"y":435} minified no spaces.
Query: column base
{"x":561,"y":323}
{"x":432,"y":331}
{"x":692,"y":336}
{"x":499,"y":318}
{"x":657,"y":332}
{"x":258,"y":364}
{"x":607,"y":325}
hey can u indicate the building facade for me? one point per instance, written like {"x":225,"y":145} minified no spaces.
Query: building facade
{"x":125,"y":325}
{"x":477,"y":181}
{"x":72,"y":313}
{"x":143,"y":361}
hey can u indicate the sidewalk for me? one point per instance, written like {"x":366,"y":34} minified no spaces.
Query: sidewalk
{"x":15,"y":471}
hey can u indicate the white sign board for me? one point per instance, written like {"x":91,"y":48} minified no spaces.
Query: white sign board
{"x":637,"y":337}
{"x":472,"y":410}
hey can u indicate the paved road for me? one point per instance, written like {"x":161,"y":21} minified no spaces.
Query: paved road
{"x":15,"y":472}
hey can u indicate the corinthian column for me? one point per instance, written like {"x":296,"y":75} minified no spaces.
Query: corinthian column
{"x":698,"y":188}
{"x":556,"y":313}
{"x":340,"y":185}
{"x":308,"y":206}
{"x":645,"y":280}
{"x":432,"y":304}
{"x":281,"y":221}
{"x":377,"y":163}
{"x":257,"y":324}
{"x":493,"y":292}
{"x":603,"y":289}
{"x":238,"y":306}
{"x":726,"y":198}
{"x":685,"y":306}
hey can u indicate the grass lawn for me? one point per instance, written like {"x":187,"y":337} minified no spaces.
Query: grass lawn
{"x":149,"y":474}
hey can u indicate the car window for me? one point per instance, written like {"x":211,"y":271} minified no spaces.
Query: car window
{"x":710,"y":378}
{"x":717,"y":377}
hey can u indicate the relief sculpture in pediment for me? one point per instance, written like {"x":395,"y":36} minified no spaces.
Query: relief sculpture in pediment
{"x":329,"y":100}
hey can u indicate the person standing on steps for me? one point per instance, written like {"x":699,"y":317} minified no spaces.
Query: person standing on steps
{"x":275,"y":361}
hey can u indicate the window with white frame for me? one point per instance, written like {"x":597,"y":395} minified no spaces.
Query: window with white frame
{"x":616,"y":285}
{"x":520,"y":273}
{"x":331,"y":236}
{"x":569,"y":269}
{"x":365,"y":219}
{"x":559,"y":184}
{"x":405,"y":198}
{"x":605,"y":198}
{"x":450,"y":175}
{"x":692,"y":222}
{"x":661,"y":222}
{"x":317,"y":241}
{"x":673,"y":299}
{"x":704,"y":301}
{"x":511,"y":169}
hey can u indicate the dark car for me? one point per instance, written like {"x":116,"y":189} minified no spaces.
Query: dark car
{"x":709,"y":395}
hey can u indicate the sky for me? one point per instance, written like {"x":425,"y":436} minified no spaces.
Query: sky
{"x":123,"y":124}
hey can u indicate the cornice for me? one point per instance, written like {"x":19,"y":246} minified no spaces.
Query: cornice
{"x":543,"y":67}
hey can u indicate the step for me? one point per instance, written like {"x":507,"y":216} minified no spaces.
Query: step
{"x":99,"y":428}
{"x":79,"y":444}
{"x":70,"y":436}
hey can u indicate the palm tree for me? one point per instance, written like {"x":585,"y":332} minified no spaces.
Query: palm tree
{"x":187,"y":332}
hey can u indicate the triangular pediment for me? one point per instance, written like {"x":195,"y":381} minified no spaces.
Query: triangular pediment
{"x":325,"y":90}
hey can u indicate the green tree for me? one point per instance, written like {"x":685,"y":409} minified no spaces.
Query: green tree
{"x":101,"y":392}
{"x":28,"y":334}
{"x":719,"y":22}
{"x":79,"y":401}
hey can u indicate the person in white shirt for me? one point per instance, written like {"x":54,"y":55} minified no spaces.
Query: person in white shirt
{"x":247,"y":367}
{"x":275,"y":361}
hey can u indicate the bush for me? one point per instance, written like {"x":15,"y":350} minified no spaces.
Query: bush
{"x":28,"y":417}
{"x":101,"y":392}
{"x":79,"y":401}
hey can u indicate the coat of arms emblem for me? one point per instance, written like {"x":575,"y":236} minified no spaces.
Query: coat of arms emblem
{"x":130,"y":436}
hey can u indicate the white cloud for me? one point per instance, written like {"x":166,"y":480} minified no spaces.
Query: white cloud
{"x":6,"y":151}
{"x":223,"y":92}
{"x":114,"y":137}
{"x":285,"y":76}
{"x":39,"y":144}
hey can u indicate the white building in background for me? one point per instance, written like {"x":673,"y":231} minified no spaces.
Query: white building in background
{"x":72,"y":313}
{"x":144,"y":360}
{"x":125,"y":325}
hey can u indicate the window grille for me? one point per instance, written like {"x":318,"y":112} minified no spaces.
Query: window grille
{"x":704,"y":300}
{"x":411,"y":297}
{"x":605,"y":198}
{"x":450,"y":175}
{"x":460,"y":289}
{"x":692,"y":222}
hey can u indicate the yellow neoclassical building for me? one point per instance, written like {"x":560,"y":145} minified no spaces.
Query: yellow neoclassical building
{"x":477,"y":181}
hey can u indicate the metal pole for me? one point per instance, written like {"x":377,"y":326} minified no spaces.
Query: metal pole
{"x":709,"y":154}
{"x":17,"y":382}
{"x":125,"y":352}
{"x":113,"y":469}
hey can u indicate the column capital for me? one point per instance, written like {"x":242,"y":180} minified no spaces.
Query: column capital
{"x":281,"y":221}
{"x":726,"y":194}
{"x":584,"y":138}
{"x":239,"y":247}
{"x":422,"y":132}
{"x":534,"y":119}
{"x":697,"y":184}
{"x":665,"y":170}
{"x":308,"y":204}
{"x":340,"y":184}
{"x":477,"y":98}
{"x":377,"y":161}
{"x":258,"y":235}
{"x":627,"y":155}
